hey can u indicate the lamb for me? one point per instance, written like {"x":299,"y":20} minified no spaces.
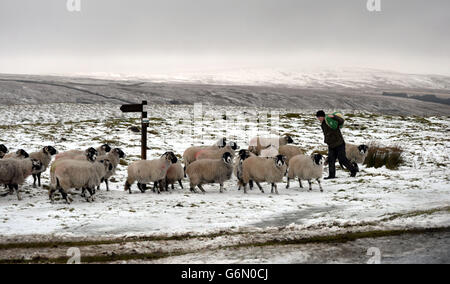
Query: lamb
{"x":100,"y":151}
{"x":3,"y":151}
{"x":289,"y":151}
{"x":214,"y":154}
{"x":78,"y":174}
{"x":356,"y":154}
{"x":189,"y":153}
{"x":260,"y":169}
{"x":259,"y":143}
{"x":210,"y":171}
{"x":174,"y":173}
{"x":45,"y":157}
{"x":149,"y":171}
{"x":307,"y":168}
{"x":114,"y":157}
{"x":19,"y":154}
{"x":14,"y":172}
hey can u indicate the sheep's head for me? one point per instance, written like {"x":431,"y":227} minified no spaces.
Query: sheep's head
{"x":363,"y":149}
{"x":288,"y":139}
{"x":36,"y":165}
{"x":222,"y":142}
{"x":317,"y":158}
{"x":106,"y":148}
{"x":91,"y":154}
{"x":233,"y":145}
{"x":119,"y":152}
{"x":107,"y":164}
{"x":22,"y":153}
{"x":170,"y":156}
{"x":280,"y":160}
{"x":50,"y":150}
{"x":244,"y":154}
{"x":227,"y":158}
{"x":3,"y":149}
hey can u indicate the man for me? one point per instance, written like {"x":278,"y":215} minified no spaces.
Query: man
{"x":336,"y":145}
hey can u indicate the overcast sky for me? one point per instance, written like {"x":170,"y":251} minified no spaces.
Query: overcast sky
{"x":163,"y":36}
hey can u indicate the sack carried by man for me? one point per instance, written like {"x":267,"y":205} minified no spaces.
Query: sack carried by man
{"x":332,"y":122}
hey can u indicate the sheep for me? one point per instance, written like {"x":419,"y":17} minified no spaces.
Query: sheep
{"x":174,"y":173}
{"x":259,"y":143}
{"x":210,"y":171}
{"x":100,"y":151}
{"x":78,"y":174}
{"x":3,"y":151}
{"x":149,"y":171}
{"x":114,"y":157}
{"x":306,"y":168}
{"x":19,"y":154}
{"x":189,"y":153}
{"x":14,"y":172}
{"x":289,"y":151}
{"x":242,"y":155}
{"x":214,"y":154}
{"x":260,"y":169}
{"x":45,"y":156}
{"x":356,"y":154}
{"x":269,"y":152}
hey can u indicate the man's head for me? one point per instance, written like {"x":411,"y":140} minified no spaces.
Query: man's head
{"x":320,"y":115}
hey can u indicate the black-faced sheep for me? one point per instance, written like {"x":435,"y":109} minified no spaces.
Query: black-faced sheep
{"x":45,"y":157}
{"x":114,"y":157}
{"x":257,"y":144}
{"x":149,"y":171}
{"x":19,"y":154}
{"x":70,"y":174}
{"x":189,"y":153}
{"x":306,"y":168}
{"x":210,"y":171}
{"x":356,"y":154}
{"x":3,"y":151}
{"x":13,"y":172}
{"x":259,"y":169}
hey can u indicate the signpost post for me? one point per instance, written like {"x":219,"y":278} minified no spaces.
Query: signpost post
{"x":144,"y":123}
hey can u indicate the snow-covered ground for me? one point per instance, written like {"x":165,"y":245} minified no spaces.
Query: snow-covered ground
{"x":414,"y":196}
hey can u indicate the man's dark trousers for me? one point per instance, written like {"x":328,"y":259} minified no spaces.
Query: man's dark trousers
{"x":339,"y":153}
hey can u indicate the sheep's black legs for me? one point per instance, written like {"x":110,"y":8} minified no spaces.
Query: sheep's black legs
{"x":259,"y":186}
{"x":318,"y":181}
{"x":300,"y":183}
{"x":310,"y":184}
{"x":34,"y":180}
{"x":107,"y":184}
{"x":39,"y":179}
{"x":201,"y":188}
{"x":181,"y":184}
{"x":287,"y":185}
{"x":251,"y":184}
{"x":274,"y":185}
{"x":221,"y":188}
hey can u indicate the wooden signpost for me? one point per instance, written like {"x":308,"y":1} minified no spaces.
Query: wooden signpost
{"x":143,"y":110}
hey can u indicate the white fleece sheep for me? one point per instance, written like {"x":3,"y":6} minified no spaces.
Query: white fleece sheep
{"x":257,"y":144}
{"x":306,"y":168}
{"x":114,"y":157}
{"x":210,"y":171}
{"x":70,"y":174}
{"x":13,"y":172}
{"x":174,"y":174}
{"x":45,"y":156}
{"x":19,"y":154}
{"x":356,"y":154}
{"x":149,"y":171}
{"x":189,"y":153}
{"x":259,"y":169}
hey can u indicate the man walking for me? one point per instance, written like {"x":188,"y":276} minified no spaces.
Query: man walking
{"x":336,"y":144}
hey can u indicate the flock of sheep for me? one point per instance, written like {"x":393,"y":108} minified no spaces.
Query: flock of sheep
{"x":265,"y":160}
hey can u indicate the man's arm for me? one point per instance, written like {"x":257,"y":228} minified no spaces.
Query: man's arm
{"x":337,"y":118}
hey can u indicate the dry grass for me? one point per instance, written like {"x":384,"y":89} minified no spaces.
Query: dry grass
{"x":379,"y":156}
